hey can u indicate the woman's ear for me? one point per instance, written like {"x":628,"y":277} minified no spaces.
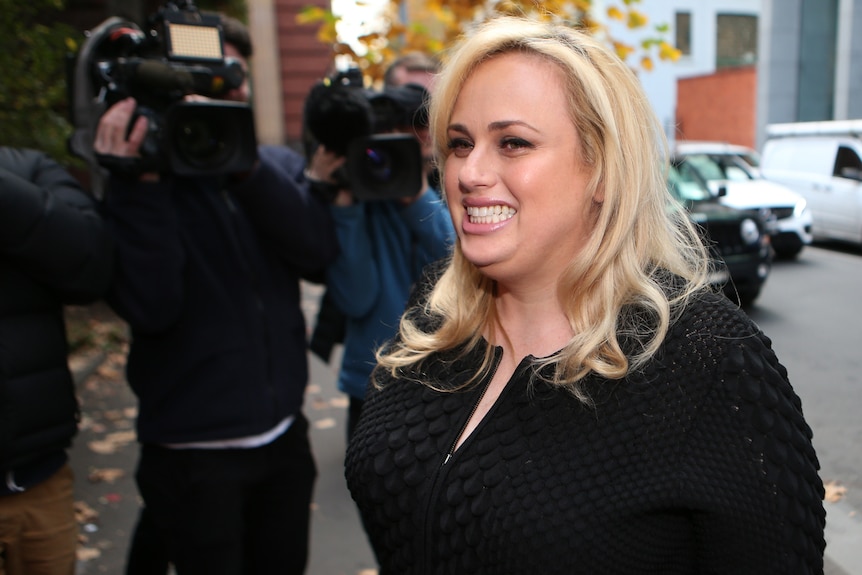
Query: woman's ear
{"x":599,"y":194}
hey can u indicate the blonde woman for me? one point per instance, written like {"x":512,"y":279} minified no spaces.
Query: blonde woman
{"x":566,"y":395}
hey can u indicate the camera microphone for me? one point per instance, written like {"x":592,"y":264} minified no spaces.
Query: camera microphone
{"x":159,"y":76}
{"x":162,"y":77}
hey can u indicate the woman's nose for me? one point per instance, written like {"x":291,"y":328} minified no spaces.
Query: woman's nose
{"x":476,"y":171}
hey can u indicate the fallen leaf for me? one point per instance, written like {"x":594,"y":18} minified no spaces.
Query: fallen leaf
{"x":88,"y":553}
{"x":107,"y":475}
{"x":834,"y":491}
{"x":113,"y":414}
{"x":112,"y":442}
{"x":319,"y":403}
{"x":339,"y":402}
{"x":325,"y":423}
{"x":84,"y":513}
{"x":102,"y":447}
{"x":109,"y":372}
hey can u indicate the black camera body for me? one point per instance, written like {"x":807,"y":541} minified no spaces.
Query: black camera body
{"x":366,"y":126}
{"x":181,"y":54}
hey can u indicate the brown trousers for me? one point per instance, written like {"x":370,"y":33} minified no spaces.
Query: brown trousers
{"x":38,"y":533}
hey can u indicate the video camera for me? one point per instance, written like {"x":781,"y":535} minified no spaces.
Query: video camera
{"x":358,"y":123}
{"x":181,"y":54}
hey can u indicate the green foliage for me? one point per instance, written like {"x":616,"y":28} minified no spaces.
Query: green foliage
{"x":33,"y":97}
{"x":236,"y":8}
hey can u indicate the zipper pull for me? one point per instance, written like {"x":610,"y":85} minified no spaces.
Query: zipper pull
{"x":448,"y":457}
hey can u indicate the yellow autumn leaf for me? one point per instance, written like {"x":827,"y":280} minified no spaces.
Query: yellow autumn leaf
{"x":310,"y":15}
{"x":636,"y":20}
{"x":615,"y":13}
{"x":646,"y":63}
{"x":327,"y":34}
{"x":668,"y":52}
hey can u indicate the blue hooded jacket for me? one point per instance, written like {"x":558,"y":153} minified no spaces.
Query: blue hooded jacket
{"x":384,"y":246}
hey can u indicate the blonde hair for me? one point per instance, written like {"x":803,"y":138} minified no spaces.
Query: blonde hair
{"x":643,"y":259}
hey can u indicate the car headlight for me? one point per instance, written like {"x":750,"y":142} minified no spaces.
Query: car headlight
{"x":800,"y":207}
{"x":749,"y":231}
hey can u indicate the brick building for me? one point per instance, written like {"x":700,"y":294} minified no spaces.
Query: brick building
{"x":720,"y":106}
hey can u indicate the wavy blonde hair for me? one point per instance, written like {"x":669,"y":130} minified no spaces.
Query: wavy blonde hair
{"x":643,"y":259}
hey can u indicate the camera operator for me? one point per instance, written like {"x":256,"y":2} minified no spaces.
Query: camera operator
{"x":208,"y":279}
{"x":54,"y":250}
{"x":384,"y":244}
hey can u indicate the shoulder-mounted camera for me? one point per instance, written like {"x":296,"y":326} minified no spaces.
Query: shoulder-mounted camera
{"x":371,"y":129}
{"x":181,"y":53}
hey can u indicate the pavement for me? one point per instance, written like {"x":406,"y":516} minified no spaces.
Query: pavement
{"x":105,"y":453}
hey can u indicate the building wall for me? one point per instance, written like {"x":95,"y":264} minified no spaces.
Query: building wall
{"x":853,"y":46}
{"x":720,"y":106}
{"x":304,"y":60}
{"x":660,"y":84}
{"x":810,"y":57}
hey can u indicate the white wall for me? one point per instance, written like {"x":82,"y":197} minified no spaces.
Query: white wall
{"x":660,"y":83}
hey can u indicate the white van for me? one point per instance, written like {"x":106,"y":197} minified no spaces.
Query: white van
{"x":822,"y":161}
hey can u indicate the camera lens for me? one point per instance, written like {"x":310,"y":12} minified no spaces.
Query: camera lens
{"x":378,"y":164}
{"x":202,"y":141}
{"x":209,"y":137}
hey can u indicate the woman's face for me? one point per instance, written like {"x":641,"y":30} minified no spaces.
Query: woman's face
{"x":514,"y":179}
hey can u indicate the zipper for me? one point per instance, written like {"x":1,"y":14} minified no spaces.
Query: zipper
{"x":451,"y":451}
{"x":439,"y":471}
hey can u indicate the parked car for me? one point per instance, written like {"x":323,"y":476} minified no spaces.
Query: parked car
{"x":822,"y":161}
{"x":741,"y":250}
{"x":748,"y":157}
{"x":739,"y":186}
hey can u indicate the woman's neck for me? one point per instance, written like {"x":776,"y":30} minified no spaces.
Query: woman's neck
{"x":531,"y":323}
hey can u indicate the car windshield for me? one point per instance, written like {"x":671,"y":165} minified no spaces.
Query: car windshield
{"x":685,"y":184}
{"x":719,"y":167}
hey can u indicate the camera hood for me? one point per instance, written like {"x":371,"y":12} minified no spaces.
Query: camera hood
{"x":384,"y":167}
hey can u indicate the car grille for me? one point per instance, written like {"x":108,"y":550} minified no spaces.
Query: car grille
{"x":782,"y":213}
{"x":724,"y":238}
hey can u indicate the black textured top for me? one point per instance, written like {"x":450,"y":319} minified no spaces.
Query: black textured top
{"x":699,"y":463}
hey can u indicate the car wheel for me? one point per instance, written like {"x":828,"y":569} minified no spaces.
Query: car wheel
{"x":744,"y":299}
{"x":788,"y":253}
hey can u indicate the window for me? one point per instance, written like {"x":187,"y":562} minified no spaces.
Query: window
{"x":847,"y":164}
{"x":683,"y":32}
{"x":736,"y":40}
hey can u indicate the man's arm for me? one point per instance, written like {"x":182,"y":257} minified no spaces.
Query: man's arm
{"x":148,"y":283}
{"x":50,"y":228}
{"x":278,"y":199}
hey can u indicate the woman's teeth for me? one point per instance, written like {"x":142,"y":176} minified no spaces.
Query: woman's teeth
{"x":489,"y":214}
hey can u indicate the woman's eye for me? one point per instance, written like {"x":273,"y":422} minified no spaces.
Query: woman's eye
{"x":515,"y":144}
{"x":459,"y":145}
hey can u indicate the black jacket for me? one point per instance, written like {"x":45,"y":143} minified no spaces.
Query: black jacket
{"x":54,"y":250}
{"x":701,"y":462}
{"x":208,"y":280}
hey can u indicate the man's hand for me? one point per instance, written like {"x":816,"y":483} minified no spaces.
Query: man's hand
{"x":321,"y":172}
{"x":323,"y":165}
{"x":111,"y":137}
{"x":111,"y":133}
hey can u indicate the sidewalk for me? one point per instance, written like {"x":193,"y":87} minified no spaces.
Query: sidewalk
{"x":105,"y":453}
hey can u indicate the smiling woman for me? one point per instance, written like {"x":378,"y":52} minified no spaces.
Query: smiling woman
{"x":565,"y":394}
